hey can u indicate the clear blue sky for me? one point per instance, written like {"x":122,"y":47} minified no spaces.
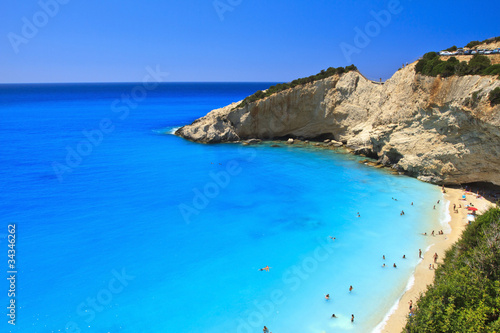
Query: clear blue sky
{"x":242,"y":40}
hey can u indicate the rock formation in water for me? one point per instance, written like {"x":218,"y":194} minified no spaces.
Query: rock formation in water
{"x":441,"y":130}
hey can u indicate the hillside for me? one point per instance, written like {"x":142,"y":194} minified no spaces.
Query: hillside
{"x":465,"y":296}
{"x":441,"y":130}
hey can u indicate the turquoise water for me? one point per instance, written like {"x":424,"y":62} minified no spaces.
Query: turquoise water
{"x":135,"y":230}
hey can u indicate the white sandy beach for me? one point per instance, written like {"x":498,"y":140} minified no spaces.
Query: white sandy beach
{"x":424,"y":276}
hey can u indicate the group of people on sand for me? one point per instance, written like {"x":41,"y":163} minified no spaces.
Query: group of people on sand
{"x":435,"y":256}
{"x":455,"y":210}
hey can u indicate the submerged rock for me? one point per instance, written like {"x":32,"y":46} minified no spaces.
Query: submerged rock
{"x":253,"y":141}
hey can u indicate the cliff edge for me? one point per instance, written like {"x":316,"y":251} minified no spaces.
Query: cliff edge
{"x":441,"y":130}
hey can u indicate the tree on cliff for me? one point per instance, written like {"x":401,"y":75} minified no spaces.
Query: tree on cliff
{"x":494,"y":96}
{"x":432,"y":65}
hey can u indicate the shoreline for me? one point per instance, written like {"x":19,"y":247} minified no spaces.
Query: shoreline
{"x":395,"y":320}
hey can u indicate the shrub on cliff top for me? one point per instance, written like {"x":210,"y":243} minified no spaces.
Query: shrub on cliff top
{"x":472,"y":44}
{"x":432,"y":65}
{"x":494,"y":96}
{"x":283,"y":86}
{"x":486,"y":41}
{"x":478,"y":63}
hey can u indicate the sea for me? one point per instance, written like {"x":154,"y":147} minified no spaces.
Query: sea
{"x":110,"y":223}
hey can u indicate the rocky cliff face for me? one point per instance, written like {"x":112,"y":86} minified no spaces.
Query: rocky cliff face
{"x":441,"y":130}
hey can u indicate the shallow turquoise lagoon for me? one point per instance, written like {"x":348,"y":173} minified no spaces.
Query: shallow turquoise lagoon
{"x":123,"y":228}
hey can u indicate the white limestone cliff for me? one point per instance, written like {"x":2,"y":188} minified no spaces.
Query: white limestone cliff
{"x":431,"y":128}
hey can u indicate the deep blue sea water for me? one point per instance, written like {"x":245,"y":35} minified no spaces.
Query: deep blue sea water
{"x":121,"y":227}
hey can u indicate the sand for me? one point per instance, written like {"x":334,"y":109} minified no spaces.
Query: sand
{"x":423,"y":275}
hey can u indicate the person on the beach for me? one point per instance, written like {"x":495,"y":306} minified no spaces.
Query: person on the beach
{"x":394,"y":265}
{"x":420,"y":253}
{"x":350,"y":288}
{"x":435,"y":257}
{"x":411,"y":304}
{"x":454,"y":206}
{"x":352,"y":318}
{"x":327,"y":297}
{"x":430,"y":266}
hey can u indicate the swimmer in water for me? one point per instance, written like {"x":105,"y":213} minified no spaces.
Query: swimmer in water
{"x":265,"y":269}
{"x":394,"y":265}
{"x":327,"y":297}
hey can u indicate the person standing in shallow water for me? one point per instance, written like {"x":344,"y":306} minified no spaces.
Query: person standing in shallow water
{"x":265,"y":330}
{"x":350,"y":288}
{"x":352,"y":318}
{"x":420,"y":253}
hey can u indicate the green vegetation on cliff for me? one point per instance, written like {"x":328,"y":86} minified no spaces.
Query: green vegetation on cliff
{"x":486,"y":41}
{"x":494,"y":96}
{"x":465,"y":296}
{"x":283,"y":86}
{"x":432,"y":65}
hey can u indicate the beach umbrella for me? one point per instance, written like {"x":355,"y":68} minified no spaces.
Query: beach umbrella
{"x":472,"y":208}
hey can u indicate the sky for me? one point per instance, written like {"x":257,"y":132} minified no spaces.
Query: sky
{"x":44,"y":41}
